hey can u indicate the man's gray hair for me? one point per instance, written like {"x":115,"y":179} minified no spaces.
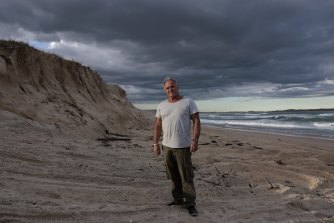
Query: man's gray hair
{"x":168,"y":78}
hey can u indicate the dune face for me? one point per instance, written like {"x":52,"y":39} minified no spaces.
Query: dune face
{"x":51,"y":90}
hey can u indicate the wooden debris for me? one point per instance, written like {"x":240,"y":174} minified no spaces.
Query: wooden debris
{"x":217,"y":170}
{"x":280,"y":162}
{"x":114,"y":138}
{"x":208,"y":181}
{"x":271,"y":185}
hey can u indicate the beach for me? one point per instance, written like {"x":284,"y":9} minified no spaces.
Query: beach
{"x":82,"y":81}
{"x":240,"y":176}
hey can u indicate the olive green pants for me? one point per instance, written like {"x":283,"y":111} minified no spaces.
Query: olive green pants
{"x":180,"y":171}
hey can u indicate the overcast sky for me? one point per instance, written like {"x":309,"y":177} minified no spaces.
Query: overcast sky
{"x":218,"y":50}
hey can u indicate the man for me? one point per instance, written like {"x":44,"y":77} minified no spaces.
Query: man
{"x":180,"y":139}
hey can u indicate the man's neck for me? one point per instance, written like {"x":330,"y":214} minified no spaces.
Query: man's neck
{"x":174,"y":99}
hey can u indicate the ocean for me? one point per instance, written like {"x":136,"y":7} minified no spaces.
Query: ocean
{"x":311,"y":123}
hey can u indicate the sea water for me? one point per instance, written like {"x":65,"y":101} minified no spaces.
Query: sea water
{"x":312,"y":123}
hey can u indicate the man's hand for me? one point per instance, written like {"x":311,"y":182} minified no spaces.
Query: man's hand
{"x":194,"y":147}
{"x":156,"y":149}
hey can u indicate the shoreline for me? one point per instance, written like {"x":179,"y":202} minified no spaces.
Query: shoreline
{"x":271,"y":133}
{"x":305,"y":123}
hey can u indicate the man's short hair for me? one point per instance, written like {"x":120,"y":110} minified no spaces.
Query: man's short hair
{"x":168,"y":78}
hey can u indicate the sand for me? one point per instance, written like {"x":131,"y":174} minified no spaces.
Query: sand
{"x":55,"y":91}
{"x":240,"y":176}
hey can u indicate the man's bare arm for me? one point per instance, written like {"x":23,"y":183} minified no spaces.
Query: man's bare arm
{"x":157,"y":130}
{"x":156,"y":136}
{"x":196,"y":131}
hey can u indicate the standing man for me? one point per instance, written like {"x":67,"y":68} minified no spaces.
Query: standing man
{"x":174,"y":118}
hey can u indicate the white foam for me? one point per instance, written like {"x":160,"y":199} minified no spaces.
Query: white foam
{"x":252,"y":123}
{"x":326,"y":115}
{"x":320,"y":125}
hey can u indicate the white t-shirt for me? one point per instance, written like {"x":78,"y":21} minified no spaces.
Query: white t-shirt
{"x":176,"y":122}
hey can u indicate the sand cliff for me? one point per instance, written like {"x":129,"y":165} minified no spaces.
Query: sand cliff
{"x":51,"y":90}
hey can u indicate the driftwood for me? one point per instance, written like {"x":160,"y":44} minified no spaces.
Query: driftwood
{"x":217,"y":170}
{"x":271,"y":185}
{"x":115,"y":137}
{"x":211,"y":182}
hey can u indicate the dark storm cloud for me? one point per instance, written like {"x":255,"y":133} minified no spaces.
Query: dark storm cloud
{"x":215,"y":48}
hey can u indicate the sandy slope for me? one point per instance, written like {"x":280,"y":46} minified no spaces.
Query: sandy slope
{"x":49,"y":89}
{"x":47,"y":177}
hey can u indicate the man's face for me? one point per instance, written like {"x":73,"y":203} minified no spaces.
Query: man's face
{"x":171,"y":89}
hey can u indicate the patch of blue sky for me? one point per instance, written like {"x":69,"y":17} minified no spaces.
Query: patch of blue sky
{"x":41,"y":45}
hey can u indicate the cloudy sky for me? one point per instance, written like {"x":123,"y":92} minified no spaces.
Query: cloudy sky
{"x":226,"y":54}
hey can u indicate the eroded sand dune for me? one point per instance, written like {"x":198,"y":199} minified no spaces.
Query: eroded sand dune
{"x":51,"y":90}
